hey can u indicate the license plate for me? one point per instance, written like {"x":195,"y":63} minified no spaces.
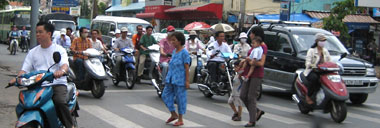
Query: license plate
{"x":353,"y":82}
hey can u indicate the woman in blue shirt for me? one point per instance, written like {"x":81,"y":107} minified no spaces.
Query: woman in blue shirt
{"x":177,"y":79}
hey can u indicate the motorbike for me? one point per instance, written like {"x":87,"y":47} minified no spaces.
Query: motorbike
{"x":330,"y":97}
{"x":94,"y":73}
{"x":224,"y":86}
{"x":152,"y":69}
{"x":13,"y":45}
{"x":24,"y":44}
{"x":127,"y":71}
{"x":36,"y":107}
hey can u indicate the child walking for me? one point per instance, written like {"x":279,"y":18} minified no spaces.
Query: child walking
{"x":234,"y":99}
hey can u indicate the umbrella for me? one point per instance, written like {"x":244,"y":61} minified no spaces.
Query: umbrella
{"x":196,"y":26}
{"x":223,"y":27}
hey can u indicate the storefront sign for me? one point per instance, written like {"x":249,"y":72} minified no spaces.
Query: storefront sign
{"x":354,"y":26}
{"x":65,"y":3}
{"x":285,"y":10}
{"x":376,"y":12}
{"x":75,"y":11}
{"x":157,"y":8}
{"x":60,"y":10}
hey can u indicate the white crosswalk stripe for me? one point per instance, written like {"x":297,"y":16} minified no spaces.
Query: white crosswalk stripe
{"x":214,"y":115}
{"x":159,"y":114}
{"x":372,"y":104}
{"x":361,"y":117}
{"x":277,"y":107}
{"x":366,"y":110}
{"x":271,"y":116}
{"x":109,"y":117}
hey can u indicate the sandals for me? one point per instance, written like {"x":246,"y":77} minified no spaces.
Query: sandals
{"x":233,"y":117}
{"x":250,"y":125}
{"x":260,"y":113}
{"x":171,"y":119}
{"x":178,"y":123}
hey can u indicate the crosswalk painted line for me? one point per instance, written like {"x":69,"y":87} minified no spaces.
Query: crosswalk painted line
{"x":214,"y":115}
{"x":361,"y":117}
{"x":159,"y":114}
{"x":109,"y":117}
{"x":270,"y":116}
{"x":374,"y":105}
{"x":277,"y":107}
{"x":366,"y":110}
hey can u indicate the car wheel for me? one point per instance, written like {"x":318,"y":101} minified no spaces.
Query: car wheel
{"x":358,"y":98}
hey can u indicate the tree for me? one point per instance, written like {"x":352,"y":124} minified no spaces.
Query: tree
{"x":335,"y":20}
{"x":102,"y":8}
{"x":3,"y":3}
{"x":85,"y":11}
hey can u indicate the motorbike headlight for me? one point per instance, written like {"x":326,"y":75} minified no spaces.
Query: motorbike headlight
{"x":334,"y":78}
{"x":370,"y":72}
{"x":31,"y":80}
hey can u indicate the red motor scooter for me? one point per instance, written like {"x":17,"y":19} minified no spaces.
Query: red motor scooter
{"x":330,"y":97}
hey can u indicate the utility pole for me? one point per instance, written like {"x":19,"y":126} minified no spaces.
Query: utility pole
{"x":94,"y":9}
{"x":242,"y":15}
{"x":33,"y":22}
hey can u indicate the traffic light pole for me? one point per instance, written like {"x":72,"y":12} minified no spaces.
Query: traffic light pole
{"x":35,"y":5}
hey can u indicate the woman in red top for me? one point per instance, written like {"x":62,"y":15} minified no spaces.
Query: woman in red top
{"x":248,"y":93}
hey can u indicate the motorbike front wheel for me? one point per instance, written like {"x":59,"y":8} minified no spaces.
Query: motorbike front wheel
{"x":32,"y":124}
{"x":130,"y":78}
{"x":338,"y":111}
{"x":14,"y":48}
{"x":98,"y":88}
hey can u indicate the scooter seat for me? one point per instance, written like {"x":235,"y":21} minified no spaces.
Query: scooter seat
{"x":304,"y":79}
{"x":70,"y":91}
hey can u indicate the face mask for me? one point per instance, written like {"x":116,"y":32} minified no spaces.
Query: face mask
{"x":170,"y":33}
{"x":321,"y":43}
{"x":243,"y":40}
{"x":192,"y":37}
{"x":84,"y":35}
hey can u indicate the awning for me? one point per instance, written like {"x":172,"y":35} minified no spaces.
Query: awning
{"x":156,"y":15}
{"x":347,"y":19}
{"x":132,"y":7}
{"x":205,"y":11}
{"x":293,"y":17}
{"x":232,"y":19}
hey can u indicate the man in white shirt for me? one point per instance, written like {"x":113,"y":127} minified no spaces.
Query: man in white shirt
{"x":214,"y":51}
{"x":41,"y":58}
{"x":120,"y":43}
{"x":63,"y":39}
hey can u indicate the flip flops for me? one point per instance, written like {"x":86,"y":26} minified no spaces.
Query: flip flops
{"x":170,"y":120}
{"x":178,"y":123}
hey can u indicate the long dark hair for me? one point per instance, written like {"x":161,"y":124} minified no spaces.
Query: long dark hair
{"x":258,"y":31}
{"x":315,"y":44}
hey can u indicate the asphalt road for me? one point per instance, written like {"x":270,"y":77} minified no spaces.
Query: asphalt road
{"x":140,"y":107}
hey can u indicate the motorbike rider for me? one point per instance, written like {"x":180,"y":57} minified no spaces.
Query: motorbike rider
{"x":136,"y":40}
{"x":63,"y":39}
{"x":213,"y":53}
{"x":79,"y":45}
{"x":120,"y":43}
{"x":24,"y":35}
{"x":193,"y":45}
{"x":317,"y":54}
{"x":97,"y":44}
{"x":166,"y":48}
{"x":40,"y":58}
{"x":13,"y":34}
{"x":145,"y":41}
{"x":243,"y":47}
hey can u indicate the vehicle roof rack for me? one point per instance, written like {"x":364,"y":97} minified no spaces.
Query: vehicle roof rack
{"x":281,"y":23}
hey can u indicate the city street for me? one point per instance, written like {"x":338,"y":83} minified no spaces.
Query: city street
{"x":141,"y":107}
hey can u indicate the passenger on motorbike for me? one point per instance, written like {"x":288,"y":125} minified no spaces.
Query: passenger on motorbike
{"x":213,"y":53}
{"x":117,"y":36}
{"x":79,"y":45}
{"x":97,"y":44}
{"x":39,"y":58}
{"x":166,"y":48}
{"x":317,"y":54}
{"x":63,"y":39}
{"x":145,"y":41}
{"x":13,"y":34}
{"x":120,"y":43}
{"x":69,"y":33}
{"x":194,"y":45}
{"x":243,"y":47}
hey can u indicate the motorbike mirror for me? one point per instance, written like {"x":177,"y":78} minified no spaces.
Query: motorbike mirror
{"x":56,"y":57}
{"x":342,"y":56}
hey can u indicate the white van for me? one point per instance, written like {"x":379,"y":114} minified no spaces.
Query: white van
{"x":105,"y":24}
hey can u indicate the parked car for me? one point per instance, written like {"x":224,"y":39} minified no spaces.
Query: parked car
{"x":287,"y":49}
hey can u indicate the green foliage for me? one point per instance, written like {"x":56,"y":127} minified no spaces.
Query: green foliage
{"x":102,"y":8}
{"x":3,"y":3}
{"x":335,"y":20}
{"x":85,"y":11}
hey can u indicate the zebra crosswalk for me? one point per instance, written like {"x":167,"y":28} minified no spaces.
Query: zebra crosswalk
{"x":119,"y":121}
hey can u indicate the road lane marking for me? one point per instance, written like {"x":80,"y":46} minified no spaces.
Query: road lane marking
{"x":159,"y":114}
{"x":280,"y":108}
{"x":109,"y":117}
{"x":270,"y":116}
{"x":361,"y":117}
{"x":267,"y":86}
{"x":366,"y":110}
{"x":214,"y":115}
{"x":372,"y":104}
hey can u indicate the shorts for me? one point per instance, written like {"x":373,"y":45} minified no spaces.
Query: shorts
{"x":236,"y":100}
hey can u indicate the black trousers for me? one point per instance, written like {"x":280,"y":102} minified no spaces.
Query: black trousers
{"x":61,"y":106}
{"x":314,"y":85}
{"x":248,"y":94}
{"x":213,"y":69}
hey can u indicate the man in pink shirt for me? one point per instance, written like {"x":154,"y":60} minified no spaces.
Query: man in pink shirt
{"x":166,"y":49}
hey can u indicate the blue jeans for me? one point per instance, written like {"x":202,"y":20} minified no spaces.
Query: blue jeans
{"x":79,"y":68}
{"x":165,"y":68}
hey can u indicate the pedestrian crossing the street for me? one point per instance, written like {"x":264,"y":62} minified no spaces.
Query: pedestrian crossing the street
{"x":271,"y":115}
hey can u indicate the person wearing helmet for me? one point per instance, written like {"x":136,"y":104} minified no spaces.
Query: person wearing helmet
{"x":243,"y":47}
{"x":63,"y":39}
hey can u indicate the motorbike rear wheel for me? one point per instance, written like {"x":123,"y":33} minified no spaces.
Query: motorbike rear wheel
{"x":338,"y":111}
{"x":32,"y":124}
{"x":98,"y":88}
{"x":130,"y":78}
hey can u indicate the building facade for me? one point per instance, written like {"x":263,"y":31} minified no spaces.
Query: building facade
{"x":313,"y":5}
{"x":126,"y":8}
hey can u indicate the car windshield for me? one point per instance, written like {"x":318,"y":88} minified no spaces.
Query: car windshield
{"x":63,"y":24}
{"x":305,"y":41}
{"x":131,"y":27}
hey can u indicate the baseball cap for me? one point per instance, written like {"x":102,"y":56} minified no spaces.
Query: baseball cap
{"x":170,"y":28}
{"x":63,"y":31}
{"x":124,"y":29}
